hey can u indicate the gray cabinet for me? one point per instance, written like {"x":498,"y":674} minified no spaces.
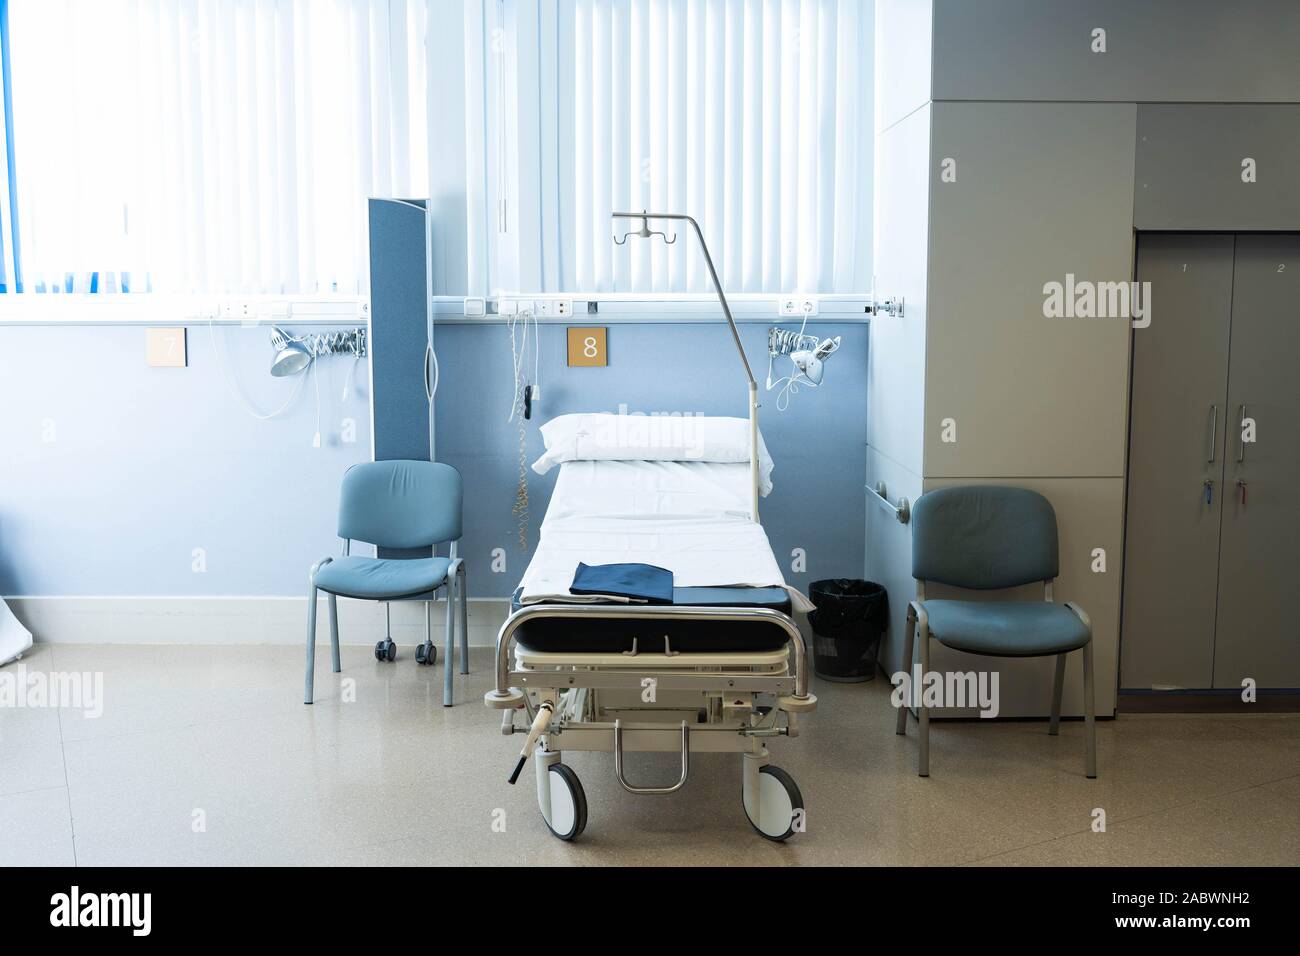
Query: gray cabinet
{"x":401,"y":329}
{"x":1257,"y":632}
{"x":401,"y":336}
{"x":1178,"y":418}
{"x":1211,"y":520}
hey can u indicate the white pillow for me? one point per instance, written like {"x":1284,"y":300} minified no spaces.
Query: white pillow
{"x":600,"y":436}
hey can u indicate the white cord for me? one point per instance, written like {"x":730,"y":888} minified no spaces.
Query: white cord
{"x":518,"y":326}
{"x":347,"y":382}
{"x":519,"y":363}
{"x":237,"y":394}
{"x":315,"y":380}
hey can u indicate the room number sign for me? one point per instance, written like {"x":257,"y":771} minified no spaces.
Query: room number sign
{"x":587,"y":346}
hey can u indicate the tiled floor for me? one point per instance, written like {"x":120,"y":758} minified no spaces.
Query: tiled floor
{"x":206,"y":755}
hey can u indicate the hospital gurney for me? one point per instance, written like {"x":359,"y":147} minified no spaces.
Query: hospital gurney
{"x":687,"y":678}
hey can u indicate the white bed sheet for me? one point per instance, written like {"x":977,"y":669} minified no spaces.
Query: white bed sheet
{"x":689,"y":517}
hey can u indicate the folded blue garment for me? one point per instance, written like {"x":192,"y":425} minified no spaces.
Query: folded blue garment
{"x":642,"y":582}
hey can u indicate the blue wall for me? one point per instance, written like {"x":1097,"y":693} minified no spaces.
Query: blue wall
{"x":818,"y":444}
{"x":148,"y":464}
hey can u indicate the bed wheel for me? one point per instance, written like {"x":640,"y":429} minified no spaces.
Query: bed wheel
{"x":386,"y":650}
{"x":426,"y":654}
{"x":779,"y":804}
{"x":568,"y":803}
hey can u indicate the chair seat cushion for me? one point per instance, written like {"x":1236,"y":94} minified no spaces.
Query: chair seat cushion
{"x":1006,"y":628}
{"x":382,"y":579}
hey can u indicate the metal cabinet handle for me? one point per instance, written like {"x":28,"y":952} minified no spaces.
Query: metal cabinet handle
{"x":1214,"y":432}
{"x":1241,"y":435}
{"x":428,"y":389}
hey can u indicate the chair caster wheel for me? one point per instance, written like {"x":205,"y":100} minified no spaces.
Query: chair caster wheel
{"x":426,"y":654}
{"x":386,"y":650}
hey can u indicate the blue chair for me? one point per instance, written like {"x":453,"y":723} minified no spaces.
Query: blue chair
{"x":397,"y":505}
{"x":987,"y":537}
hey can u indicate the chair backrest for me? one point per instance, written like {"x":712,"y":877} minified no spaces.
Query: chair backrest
{"x":401,"y":504}
{"x":984,"y":537}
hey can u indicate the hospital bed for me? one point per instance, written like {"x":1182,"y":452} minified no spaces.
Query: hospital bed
{"x":720,"y":670}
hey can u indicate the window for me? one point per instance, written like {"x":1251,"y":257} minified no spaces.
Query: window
{"x":230,"y":145}
{"x":170,"y":145}
{"x":755,"y":116}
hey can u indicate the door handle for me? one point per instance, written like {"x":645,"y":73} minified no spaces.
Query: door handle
{"x":1214,"y":432}
{"x":1241,"y":435}
{"x":428,"y":390}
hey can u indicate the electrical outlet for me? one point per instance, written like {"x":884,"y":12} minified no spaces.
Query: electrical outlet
{"x":789,"y":306}
{"x":808,"y":306}
{"x":544,"y":308}
{"x":237,"y":309}
{"x":563,"y":308}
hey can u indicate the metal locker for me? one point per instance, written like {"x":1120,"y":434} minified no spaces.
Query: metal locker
{"x":1178,"y":423}
{"x":1257,"y":634}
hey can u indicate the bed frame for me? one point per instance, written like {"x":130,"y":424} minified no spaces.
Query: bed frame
{"x":661,"y":701}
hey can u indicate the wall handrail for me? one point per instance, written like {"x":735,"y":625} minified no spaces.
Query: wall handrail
{"x":902,"y":511}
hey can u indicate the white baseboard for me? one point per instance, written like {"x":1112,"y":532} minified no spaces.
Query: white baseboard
{"x":237,"y":620}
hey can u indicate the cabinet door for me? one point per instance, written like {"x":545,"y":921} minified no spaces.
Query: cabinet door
{"x":400,"y":336}
{"x":1258,"y":631}
{"x":1178,"y":420}
{"x":399,"y":328}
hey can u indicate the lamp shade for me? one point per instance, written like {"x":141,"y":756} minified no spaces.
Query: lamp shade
{"x":290,"y":360}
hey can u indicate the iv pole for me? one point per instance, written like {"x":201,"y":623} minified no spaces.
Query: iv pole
{"x":645,"y":232}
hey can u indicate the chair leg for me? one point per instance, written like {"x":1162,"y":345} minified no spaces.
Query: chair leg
{"x":449,"y":652}
{"x":428,"y":624}
{"x":1058,"y":685}
{"x":1089,"y":718}
{"x":923,"y":712}
{"x":907,"y":665}
{"x":334,"y":631}
{"x":461,"y":592}
{"x":311,"y":644}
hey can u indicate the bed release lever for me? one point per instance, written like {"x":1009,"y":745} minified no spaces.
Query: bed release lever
{"x":540,"y":722}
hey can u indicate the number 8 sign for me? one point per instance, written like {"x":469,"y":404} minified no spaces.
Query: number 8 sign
{"x":587,"y":346}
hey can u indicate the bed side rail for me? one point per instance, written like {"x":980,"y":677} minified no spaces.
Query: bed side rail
{"x":505,"y":696}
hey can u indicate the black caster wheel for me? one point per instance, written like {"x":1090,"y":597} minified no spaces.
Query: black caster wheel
{"x":426,"y":654}
{"x":386,"y":650}
{"x":780,"y":801}
{"x":568,"y":803}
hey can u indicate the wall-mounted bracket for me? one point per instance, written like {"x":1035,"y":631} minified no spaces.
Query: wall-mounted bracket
{"x":890,"y":307}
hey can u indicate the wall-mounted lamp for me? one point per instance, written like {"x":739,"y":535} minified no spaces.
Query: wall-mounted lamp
{"x":295,"y":353}
{"x":807,"y":354}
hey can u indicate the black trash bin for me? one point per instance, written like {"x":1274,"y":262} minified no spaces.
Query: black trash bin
{"x":851,"y":616}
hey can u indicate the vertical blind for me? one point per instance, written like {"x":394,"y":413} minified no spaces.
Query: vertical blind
{"x":230,"y":145}
{"x":211,"y":145}
{"x":755,"y":116}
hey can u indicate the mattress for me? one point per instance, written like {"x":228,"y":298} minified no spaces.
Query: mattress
{"x":689,"y":517}
{"x":656,"y":636}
